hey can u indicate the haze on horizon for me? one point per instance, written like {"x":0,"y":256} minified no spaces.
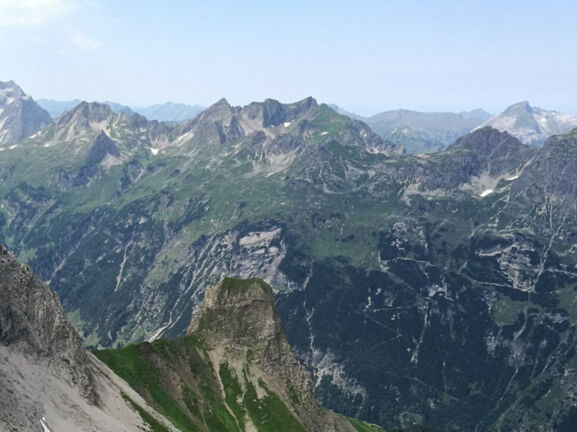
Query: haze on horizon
{"x":366,"y":57}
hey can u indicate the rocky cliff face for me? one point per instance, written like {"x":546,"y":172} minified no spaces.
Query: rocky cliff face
{"x":32,"y":322}
{"x":47,"y":380}
{"x":20,"y":116}
{"x":239,"y":324}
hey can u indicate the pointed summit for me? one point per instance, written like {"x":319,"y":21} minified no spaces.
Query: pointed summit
{"x":85,"y":113}
{"x":10,"y":89}
{"x":219,"y":106}
{"x":217,"y":124}
{"x":518,"y":108}
{"x":20,"y":116}
{"x":530,"y":124}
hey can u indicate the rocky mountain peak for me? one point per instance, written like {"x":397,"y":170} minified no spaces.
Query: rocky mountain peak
{"x":240,"y":328}
{"x":273,"y":113}
{"x":479,"y":160}
{"x":217,"y":124}
{"x":20,"y":115}
{"x":85,"y":113}
{"x":218,"y":108}
{"x":532,"y":125}
{"x":10,"y":89}
{"x":518,"y":108}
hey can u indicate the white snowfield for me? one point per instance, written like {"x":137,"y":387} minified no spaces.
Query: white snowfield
{"x":486,"y":192}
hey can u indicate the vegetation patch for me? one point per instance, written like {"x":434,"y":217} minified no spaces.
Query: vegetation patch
{"x":270,"y":414}
{"x":155,"y":426}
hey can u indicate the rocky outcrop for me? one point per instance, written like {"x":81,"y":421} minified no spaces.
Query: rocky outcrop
{"x":238,"y":322}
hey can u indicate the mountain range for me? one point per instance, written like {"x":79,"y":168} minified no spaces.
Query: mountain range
{"x":430,"y":132}
{"x":423,"y":132}
{"x":168,"y":112}
{"x":431,"y":290}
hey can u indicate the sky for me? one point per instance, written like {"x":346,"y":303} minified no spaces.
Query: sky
{"x":365,"y":56}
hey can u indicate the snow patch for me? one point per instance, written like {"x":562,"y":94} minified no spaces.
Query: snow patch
{"x":258,"y":238}
{"x":486,"y":192}
{"x":512,"y":178}
{"x":325,"y":133}
{"x":44,"y":425}
{"x":154,"y":151}
{"x":286,"y":124}
{"x":12,"y":147}
{"x":369,"y":303}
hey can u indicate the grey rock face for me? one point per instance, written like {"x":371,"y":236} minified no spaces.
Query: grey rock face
{"x":555,"y":169}
{"x":32,"y":322}
{"x":20,"y":116}
{"x":273,"y":113}
{"x":47,"y":380}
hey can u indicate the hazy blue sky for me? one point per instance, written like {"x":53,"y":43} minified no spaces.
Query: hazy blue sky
{"x":367,"y":56}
